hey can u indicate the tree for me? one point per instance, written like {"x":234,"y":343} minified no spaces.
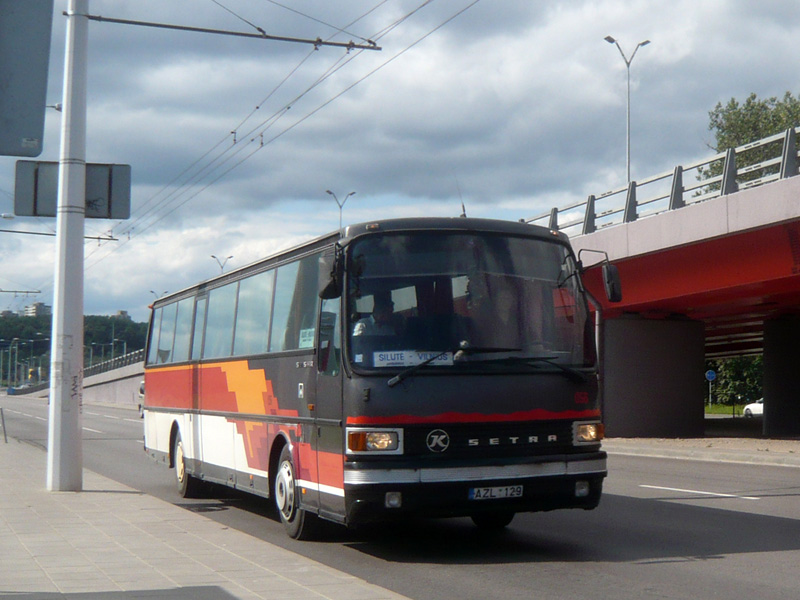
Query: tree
{"x":734,"y":124}
{"x":737,"y":124}
{"x":738,"y":379}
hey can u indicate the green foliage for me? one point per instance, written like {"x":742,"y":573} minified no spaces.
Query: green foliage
{"x":735,"y":124}
{"x":738,"y":379}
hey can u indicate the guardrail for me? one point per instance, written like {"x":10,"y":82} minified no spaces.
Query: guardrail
{"x":102,"y":367}
{"x":115,"y":363}
{"x":668,"y":191}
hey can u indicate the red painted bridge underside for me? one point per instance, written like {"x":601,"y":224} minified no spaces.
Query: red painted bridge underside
{"x":732,"y":284}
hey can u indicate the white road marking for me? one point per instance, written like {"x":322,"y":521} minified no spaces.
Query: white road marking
{"x":112,"y":417}
{"x":700,"y":492}
{"x":92,"y":430}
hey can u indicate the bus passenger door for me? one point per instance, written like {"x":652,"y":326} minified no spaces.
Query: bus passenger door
{"x":328,"y":435}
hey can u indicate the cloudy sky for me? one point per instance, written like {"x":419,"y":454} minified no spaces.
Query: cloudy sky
{"x":513,"y":106}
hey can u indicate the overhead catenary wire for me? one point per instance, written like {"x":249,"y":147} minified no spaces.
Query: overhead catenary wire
{"x":265,"y":142}
{"x":255,"y":139}
{"x":129,"y":227}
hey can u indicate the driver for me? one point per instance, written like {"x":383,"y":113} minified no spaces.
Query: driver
{"x":382,"y":321}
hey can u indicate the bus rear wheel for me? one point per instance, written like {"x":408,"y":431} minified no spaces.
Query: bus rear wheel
{"x":188,"y":486}
{"x":299,"y":524}
{"x":493,"y":520}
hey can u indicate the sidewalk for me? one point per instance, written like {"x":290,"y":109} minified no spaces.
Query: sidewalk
{"x":113,"y":542}
{"x":785,"y":453}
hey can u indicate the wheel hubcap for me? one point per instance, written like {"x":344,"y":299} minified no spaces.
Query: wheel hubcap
{"x":180,"y":468}
{"x":284,"y":491}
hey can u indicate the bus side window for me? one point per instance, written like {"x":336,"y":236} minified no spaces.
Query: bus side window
{"x":252,"y":315}
{"x":183,"y":330}
{"x":155,"y":330}
{"x":296,"y":302}
{"x":284,"y":290}
{"x":167,"y":334}
{"x":330,"y":338}
{"x":219,"y":323}
{"x":199,"y":327}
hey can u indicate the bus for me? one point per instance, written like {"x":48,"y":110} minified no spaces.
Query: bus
{"x":432,"y":367}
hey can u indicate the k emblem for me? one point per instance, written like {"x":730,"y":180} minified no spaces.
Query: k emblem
{"x":438,"y":441}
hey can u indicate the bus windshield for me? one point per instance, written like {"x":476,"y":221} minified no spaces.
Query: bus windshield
{"x":465,"y":300}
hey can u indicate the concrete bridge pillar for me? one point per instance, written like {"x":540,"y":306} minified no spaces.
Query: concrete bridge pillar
{"x":653,"y":372}
{"x":782,"y":377}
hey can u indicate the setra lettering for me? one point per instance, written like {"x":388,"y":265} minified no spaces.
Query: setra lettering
{"x":512,"y":440}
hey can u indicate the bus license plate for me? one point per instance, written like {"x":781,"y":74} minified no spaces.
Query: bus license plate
{"x":494,"y":493}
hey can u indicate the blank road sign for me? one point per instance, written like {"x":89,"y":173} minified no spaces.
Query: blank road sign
{"x":108,"y":190}
{"x":24,"y":57}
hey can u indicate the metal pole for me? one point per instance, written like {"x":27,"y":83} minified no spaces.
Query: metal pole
{"x":628,"y":62}
{"x":64,"y":444}
{"x":628,"y":128}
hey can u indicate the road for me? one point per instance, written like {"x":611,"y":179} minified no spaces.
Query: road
{"x":665,"y":528}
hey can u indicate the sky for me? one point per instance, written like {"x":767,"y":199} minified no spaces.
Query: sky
{"x":509,"y":106}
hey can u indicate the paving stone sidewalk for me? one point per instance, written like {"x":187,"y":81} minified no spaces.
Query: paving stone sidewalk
{"x":113,"y":542}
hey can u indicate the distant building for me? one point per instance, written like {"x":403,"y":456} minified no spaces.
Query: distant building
{"x":38,"y":309}
{"x":7,"y":314}
{"x":123,"y":314}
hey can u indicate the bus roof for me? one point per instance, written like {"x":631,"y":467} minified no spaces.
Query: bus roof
{"x":350,"y":232}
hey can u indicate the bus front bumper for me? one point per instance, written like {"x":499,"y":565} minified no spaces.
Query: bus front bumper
{"x":548,"y":483}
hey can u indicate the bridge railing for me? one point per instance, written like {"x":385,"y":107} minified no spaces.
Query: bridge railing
{"x":117,"y":362}
{"x":776,"y":156}
{"x":131,"y":358}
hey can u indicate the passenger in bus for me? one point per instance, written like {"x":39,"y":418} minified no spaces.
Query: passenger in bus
{"x":382,"y":321}
{"x":504,"y":317}
{"x":506,"y":330}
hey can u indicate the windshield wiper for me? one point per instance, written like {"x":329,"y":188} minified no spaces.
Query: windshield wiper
{"x":462,"y":350}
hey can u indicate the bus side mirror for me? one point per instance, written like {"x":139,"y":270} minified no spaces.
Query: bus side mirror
{"x":330,"y":275}
{"x":611,"y":282}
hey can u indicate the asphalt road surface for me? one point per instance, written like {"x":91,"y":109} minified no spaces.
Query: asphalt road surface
{"x":665,"y":528}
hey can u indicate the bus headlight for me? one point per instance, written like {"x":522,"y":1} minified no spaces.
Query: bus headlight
{"x":389,"y":441}
{"x":588,"y":433}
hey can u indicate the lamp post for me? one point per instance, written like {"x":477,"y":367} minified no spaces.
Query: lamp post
{"x":628,"y":62}
{"x":221,"y":263}
{"x":124,"y":346}
{"x":12,"y":378}
{"x":340,"y":204}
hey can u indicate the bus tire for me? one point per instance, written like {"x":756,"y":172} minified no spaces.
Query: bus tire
{"x":188,"y":485}
{"x":493,"y":520}
{"x":299,"y":524}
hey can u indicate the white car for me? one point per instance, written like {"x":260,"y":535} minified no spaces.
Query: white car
{"x":754,"y":409}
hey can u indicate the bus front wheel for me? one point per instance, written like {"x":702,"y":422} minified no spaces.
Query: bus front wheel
{"x":299,"y":524}
{"x":188,"y":486}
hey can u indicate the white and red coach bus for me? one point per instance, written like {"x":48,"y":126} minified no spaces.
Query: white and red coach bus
{"x":433,"y":366}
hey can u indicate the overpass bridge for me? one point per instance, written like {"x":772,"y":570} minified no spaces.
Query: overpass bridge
{"x":710,"y":268}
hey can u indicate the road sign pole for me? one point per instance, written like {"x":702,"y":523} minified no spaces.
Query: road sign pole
{"x":64,"y":443}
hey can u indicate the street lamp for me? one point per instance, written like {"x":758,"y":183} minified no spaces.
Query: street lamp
{"x":340,"y":204}
{"x":222,"y":263}
{"x":124,"y":346}
{"x":628,"y":62}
